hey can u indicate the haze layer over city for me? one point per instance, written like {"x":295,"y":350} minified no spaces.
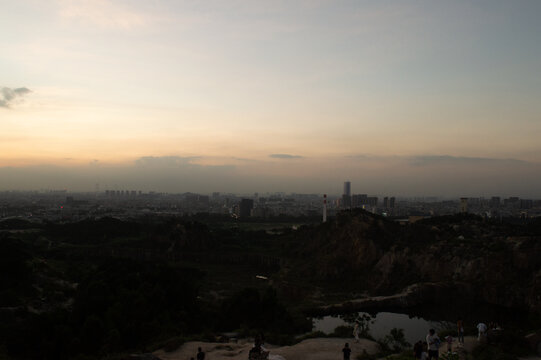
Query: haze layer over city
{"x":404,"y":98}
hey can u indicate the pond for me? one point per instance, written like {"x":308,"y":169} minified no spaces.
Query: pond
{"x":380,"y":324}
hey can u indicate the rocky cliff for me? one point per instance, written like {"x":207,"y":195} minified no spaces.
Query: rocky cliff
{"x":486,"y":261}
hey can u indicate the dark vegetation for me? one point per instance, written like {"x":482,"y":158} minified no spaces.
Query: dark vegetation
{"x":509,"y":347}
{"x":106,"y":286}
{"x":102,"y":287}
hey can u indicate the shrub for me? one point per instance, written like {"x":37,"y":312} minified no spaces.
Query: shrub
{"x":396,"y":340}
{"x":342,"y":331}
{"x":488,"y":352}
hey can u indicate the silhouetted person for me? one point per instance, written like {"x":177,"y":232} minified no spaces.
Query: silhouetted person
{"x":460,"y":331}
{"x":482,"y":331}
{"x":347,"y":351}
{"x":424,"y":354}
{"x":356,"y":331}
{"x":449,"y":340}
{"x":433,"y":342}
{"x":200,"y":354}
{"x":418,"y":349}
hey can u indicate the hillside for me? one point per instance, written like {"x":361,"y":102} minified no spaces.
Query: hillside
{"x":472,"y":258}
{"x":108,"y":286}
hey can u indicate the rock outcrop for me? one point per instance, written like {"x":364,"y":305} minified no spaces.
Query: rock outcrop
{"x":470,"y":257}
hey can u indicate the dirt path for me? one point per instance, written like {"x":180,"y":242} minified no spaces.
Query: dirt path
{"x":311,"y":349}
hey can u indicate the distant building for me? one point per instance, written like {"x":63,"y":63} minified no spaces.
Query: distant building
{"x":245,"y":207}
{"x":347,"y":188}
{"x":464,"y":205}
{"x":392,"y":202}
{"x":204,"y":200}
{"x":513,"y":201}
{"x":346,"y":197}
{"x":495,"y":202}
{"x":385,"y":202}
{"x":359,"y":200}
{"x":324,"y":207}
{"x":526,"y":204}
{"x":346,"y":201}
{"x":372,"y":200}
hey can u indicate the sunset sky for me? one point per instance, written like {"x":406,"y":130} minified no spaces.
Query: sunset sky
{"x":400,"y":97}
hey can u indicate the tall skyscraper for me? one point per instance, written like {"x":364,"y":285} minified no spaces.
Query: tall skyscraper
{"x":347,"y":188}
{"x":346,"y":197}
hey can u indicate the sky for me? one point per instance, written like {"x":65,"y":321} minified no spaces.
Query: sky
{"x":398,"y":97}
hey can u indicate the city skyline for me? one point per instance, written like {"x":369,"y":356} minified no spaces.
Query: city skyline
{"x":403,"y":98}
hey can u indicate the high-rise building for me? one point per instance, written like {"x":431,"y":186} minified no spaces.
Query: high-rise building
{"x":346,"y":201}
{"x":359,"y":200}
{"x":245,"y":207}
{"x":372,"y":201}
{"x":347,"y":188}
{"x":346,"y":197}
{"x":495,"y":202}
{"x":526,"y":204}
{"x":385,"y":202}
{"x":464,"y":205}
{"x":324,"y":207}
{"x":391,"y":202}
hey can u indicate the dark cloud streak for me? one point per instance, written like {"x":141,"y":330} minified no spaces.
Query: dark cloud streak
{"x":165,"y":160}
{"x":285,"y":156}
{"x":424,"y":160}
{"x":8,"y":96}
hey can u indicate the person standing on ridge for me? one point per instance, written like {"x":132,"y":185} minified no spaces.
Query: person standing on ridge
{"x":460,"y":331}
{"x":424,"y":354}
{"x":356,"y":331}
{"x":433,"y":342}
{"x":482,"y":331}
{"x":418,"y":349}
{"x":347,"y":352}
{"x":449,"y":340}
{"x":200,"y":354}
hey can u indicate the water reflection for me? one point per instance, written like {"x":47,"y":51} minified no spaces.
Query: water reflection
{"x":379,"y":325}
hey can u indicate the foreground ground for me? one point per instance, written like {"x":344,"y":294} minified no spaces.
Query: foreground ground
{"x":311,"y":349}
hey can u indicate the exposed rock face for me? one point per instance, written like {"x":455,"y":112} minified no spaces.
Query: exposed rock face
{"x":490,"y":262}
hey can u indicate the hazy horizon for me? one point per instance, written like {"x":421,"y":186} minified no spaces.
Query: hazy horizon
{"x":400,"y":176}
{"x":410,"y":99}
